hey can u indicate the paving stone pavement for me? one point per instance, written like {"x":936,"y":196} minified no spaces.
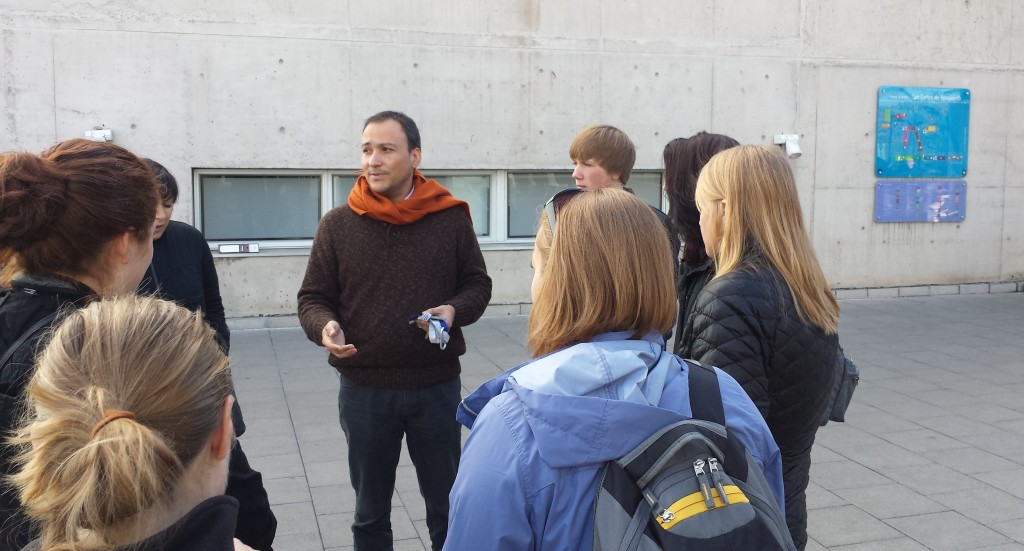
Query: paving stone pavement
{"x":931,"y":455}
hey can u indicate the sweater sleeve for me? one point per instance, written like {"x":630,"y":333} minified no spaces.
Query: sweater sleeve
{"x":320,"y":291}
{"x":727,"y":334}
{"x":474,"y":285}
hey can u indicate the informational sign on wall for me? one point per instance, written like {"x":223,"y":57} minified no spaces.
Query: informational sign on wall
{"x":922,"y":132}
{"x":920,"y":201}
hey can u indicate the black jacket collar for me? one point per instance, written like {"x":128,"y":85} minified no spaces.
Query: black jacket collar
{"x":209,"y":526}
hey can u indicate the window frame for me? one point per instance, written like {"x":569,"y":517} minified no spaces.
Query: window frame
{"x":498,"y":215}
{"x":273,"y":247}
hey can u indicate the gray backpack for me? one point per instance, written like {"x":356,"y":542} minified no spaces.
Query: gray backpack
{"x":692,"y":485}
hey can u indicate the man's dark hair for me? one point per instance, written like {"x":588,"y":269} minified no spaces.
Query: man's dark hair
{"x":412,"y":134}
{"x":165,"y":182}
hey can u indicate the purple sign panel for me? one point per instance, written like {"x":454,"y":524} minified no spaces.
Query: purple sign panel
{"x":920,"y":201}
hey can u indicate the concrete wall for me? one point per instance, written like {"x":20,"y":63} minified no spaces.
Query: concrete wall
{"x":498,"y":84}
{"x":266,"y":286}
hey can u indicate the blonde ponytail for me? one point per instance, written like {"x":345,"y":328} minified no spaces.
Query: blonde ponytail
{"x":82,"y":470}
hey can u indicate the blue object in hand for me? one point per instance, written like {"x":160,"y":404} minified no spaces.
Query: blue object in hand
{"x":437,"y":330}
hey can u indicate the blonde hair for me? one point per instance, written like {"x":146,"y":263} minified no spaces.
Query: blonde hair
{"x":609,"y":146}
{"x":609,"y":269}
{"x":762,"y":210}
{"x":142,"y":355}
{"x":543,"y":238}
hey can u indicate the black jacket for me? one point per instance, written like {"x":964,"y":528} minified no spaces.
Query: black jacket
{"x":690,"y":281}
{"x":673,"y":241}
{"x":746,"y":323}
{"x":30,"y":299}
{"x":183,"y":271}
{"x":209,"y":526}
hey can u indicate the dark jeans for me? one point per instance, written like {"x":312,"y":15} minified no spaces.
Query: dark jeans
{"x":374,"y":421}
{"x":796,"y":473}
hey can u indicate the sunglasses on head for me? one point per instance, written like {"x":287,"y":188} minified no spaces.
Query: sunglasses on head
{"x":556,"y":203}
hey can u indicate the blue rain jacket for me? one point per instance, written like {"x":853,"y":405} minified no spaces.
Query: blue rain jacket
{"x":542,"y":432}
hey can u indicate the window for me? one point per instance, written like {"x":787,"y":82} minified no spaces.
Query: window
{"x":527,"y":193}
{"x":474,"y":189}
{"x":279,"y":209}
{"x":647,"y":186}
{"x":342,"y":186}
{"x":259,"y":207}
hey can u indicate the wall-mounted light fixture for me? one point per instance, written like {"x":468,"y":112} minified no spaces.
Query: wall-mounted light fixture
{"x":100,"y":135}
{"x":791,"y":143}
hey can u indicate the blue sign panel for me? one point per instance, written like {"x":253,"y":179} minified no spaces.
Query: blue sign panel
{"x":920,"y":201}
{"x":922,"y":132}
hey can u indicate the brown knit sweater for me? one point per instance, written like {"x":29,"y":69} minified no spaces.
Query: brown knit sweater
{"x":372,"y":276}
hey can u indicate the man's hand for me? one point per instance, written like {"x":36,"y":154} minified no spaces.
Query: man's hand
{"x":334,"y":341}
{"x":239,"y":546}
{"x":445,"y":312}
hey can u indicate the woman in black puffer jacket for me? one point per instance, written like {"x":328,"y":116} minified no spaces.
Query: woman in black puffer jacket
{"x":768,"y":317}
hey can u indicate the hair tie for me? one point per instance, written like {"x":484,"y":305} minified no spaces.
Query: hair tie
{"x":111,"y":415}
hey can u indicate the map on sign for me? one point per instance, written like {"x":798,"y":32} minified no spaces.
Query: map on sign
{"x":920,"y":201}
{"x":922,"y":132}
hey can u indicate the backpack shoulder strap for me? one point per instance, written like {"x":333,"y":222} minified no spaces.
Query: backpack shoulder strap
{"x":706,"y":404}
{"x":705,"y":394}
{"x":26,"y":336}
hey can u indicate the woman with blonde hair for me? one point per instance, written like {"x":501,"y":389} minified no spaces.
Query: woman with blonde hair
{"x":110,"y":457}
{"x":76,"y":224}
{"x":600,"y":383}
{"x":768,"y":317}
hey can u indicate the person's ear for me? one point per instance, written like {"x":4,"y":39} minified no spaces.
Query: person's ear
{"x":416,"y":157}
{"x":120,"y":248}
{"x":722,"y":208}
{"x":224,"y":433}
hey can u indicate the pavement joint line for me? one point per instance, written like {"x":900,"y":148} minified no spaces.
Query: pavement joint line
{"x":905,"y":339}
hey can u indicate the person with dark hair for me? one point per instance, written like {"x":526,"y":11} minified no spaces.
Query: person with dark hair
{"x":63,"y":244}
{"x":182,"y":268}
{"x":401,"y":247}
{"x":409,"y":128}
{"x":684,"y":158}
{"x":182,"y":271}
